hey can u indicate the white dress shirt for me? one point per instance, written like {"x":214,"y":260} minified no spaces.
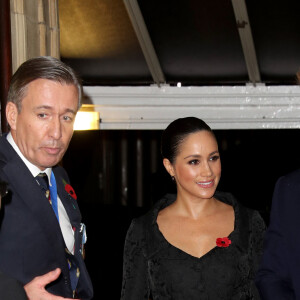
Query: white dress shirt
{"x":64,"y":221}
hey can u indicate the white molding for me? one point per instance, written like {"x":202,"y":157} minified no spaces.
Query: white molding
{"x":235,"y":107}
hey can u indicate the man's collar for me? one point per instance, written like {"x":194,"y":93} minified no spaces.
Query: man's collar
{"x":34,"y":170}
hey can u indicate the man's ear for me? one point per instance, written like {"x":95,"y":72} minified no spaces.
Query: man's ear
{"x":11,"y":115}
{"x":169,"y":167}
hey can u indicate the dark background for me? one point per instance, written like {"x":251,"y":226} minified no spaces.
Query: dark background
{"x":105,"y":169}
{"x":196,"y":42}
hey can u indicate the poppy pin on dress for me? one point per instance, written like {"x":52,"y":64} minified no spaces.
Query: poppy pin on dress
{"x":223,"y":242}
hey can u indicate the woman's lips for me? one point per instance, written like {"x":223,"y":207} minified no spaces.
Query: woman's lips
{"x":206,"y":184}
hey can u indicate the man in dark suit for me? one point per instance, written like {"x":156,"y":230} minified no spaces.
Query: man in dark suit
{"x":279,"y":275}
{"x":12,"y":289}
{"x":41,"y":228}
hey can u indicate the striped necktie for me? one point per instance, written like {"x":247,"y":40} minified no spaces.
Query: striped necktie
{"x":50,"y":192}
{"x":43,"y":181}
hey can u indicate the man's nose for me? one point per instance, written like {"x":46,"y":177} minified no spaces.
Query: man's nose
{"x":55,"y":130}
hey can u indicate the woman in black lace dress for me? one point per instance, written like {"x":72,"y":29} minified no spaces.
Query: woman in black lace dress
{"x":197,"y":244}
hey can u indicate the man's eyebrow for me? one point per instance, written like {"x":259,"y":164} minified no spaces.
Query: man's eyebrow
{"x":72,"y":111}
{"x":43,"y":106}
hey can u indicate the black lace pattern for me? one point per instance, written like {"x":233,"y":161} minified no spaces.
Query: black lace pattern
{"x":154,"y":269}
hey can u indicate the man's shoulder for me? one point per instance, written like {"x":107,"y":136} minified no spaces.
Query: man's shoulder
{"x":4,"y":147}
{"x":288,"y":185}
{"x":294,"y":174}
{"x":291,"y":177}
{"x":7,"y":153}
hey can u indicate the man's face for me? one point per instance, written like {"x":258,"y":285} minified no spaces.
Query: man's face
{"x":44,"y":127}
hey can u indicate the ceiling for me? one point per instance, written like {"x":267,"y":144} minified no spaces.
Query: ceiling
{"x":194,"y":42}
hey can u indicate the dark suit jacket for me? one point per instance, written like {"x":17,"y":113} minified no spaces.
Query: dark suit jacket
{"x":11,"y":289}
{"x":31,"y":242}
{"x":279,"y":275}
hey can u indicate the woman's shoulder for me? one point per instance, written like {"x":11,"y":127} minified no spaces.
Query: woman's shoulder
{"x":151,"y":216}
{"x":144,"y":228}
{"x":226,"y":198}
{"x":245,"y":213}
{"x":249,"y":225}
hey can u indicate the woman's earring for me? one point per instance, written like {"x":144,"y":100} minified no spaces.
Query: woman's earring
{"x":173,"y":178}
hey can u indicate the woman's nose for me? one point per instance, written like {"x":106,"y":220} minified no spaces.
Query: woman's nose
{"x":206,"y":170}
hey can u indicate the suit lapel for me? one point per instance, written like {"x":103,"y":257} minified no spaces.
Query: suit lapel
{"x":26,"y":189}
{"x":69,"y":203}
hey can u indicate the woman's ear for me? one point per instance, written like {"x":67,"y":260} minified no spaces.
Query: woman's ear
{"x":169,"y":167}
{"x":11,"y":115}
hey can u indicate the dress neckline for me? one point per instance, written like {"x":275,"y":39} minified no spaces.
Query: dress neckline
{"x":169,"y":199}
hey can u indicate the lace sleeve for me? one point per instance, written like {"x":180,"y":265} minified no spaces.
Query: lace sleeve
{"x":135,"y":276}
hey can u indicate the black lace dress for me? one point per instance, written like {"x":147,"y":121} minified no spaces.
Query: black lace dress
{"x":154,"y":269}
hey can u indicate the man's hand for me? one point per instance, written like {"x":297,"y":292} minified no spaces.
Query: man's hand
{"x":35,"y":289}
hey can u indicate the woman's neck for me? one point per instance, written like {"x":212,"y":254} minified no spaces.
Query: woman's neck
{"x":194,"y":207}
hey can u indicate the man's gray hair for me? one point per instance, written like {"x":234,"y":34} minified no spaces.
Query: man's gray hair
{"x":43,"y":67}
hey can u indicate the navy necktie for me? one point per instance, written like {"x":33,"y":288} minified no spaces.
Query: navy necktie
{"x":43,"y":181}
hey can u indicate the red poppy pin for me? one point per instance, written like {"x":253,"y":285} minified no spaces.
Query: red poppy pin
{"x":70,"y":190}
{"x":223,"y":242}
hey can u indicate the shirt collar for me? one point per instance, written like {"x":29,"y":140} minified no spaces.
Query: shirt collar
{"x":34,"y":170}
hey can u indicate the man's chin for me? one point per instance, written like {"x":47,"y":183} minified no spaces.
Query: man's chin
{"x":49,"y":163}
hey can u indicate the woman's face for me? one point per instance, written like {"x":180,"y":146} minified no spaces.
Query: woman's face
{"x":197,"y":167}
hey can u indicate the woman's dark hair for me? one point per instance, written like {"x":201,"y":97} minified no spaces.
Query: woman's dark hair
{"x":176,"y":132}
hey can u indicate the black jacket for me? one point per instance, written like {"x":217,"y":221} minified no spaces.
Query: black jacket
{"x":152,"y":266}
{"x":31,"y":242}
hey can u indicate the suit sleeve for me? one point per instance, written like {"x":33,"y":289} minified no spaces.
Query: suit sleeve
{"x":273,"y":280}
{"x":10,"y":288}
{"x":135,"y":276}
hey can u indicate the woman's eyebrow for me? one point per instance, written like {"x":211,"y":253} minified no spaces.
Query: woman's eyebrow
{"x":198,"y":155}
